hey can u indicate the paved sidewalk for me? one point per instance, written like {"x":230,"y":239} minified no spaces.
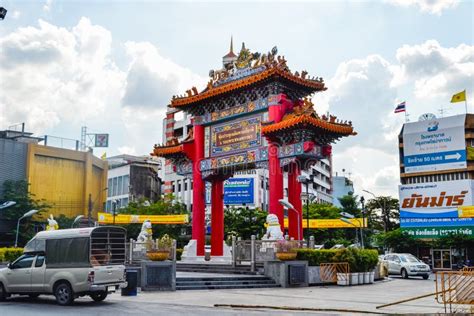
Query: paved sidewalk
{"x":363,"y":298}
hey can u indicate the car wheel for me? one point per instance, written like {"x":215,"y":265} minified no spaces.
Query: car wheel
{"x":99,"y":296}
{"x":426,"y":276}
{"x":33,"y":295}
{"x":3,"y":293}
{"x":404,"y":274}
{"x":64,"y":294}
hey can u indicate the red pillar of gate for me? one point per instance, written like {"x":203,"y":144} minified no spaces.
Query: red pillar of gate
{"x":217,"y":217}
{"x":294,"y":197}
{"x":275,"y":179}
{"x":199,"y":202}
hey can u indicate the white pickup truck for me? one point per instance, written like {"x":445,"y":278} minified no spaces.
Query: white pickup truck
{"x":68,"y":263}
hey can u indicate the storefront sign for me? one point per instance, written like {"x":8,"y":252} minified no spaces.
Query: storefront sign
{"x":432,"y":145}
{"x":239,"y":191}
{"x":435,"y":199}
{"x":234,"y":137}
{"x":106,"y":218}
{"x":466,"y":211}
{"x":434,"y":222}
{"x":437,"y":232}
{"x":331,"y":223}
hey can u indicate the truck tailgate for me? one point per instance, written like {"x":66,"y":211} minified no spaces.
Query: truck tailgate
{"x":109,"y":274}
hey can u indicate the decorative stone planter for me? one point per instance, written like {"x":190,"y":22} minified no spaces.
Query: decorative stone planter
{"x":372,"y":277}
{"x":158,"y":276}
{"x":287,"y":273}
{"x":314,"y":275}
{"x":361,"y":278}
{"x":158,"y":255}
{"x":286,"y":256}
{"x":343,"y":279}
{"x":354,"y":277}
{"x":366,"y":277}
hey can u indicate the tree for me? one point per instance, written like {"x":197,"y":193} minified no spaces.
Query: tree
{"x":398,"y":241}
{"x":18,"y":191}
{"x":350,"y":204}
{"x":244,"y":222}
{"x":383,"y":213}
{"x":166,"y":206}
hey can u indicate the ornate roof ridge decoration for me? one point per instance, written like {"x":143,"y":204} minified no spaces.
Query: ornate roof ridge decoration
{"x":248,"y":69}
{"x":173,"y":147}
{"x":304,"y":114}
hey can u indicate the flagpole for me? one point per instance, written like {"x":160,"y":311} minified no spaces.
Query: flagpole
{"x":465,"y":99}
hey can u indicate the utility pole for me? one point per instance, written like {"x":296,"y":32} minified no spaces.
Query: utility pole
{"x":89,"y":212}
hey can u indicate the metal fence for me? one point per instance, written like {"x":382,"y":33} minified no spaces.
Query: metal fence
{"x":455,"y":287}
{"x":254,"y":252}
{"x":137,"y":251}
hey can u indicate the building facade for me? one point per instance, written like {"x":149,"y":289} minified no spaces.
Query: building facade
{"x":72,"y":182}
{"x":132,"y":178}
{"x":342,"y":186}
{"x":437,"y":181}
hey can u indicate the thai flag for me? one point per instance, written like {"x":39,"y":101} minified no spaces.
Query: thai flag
{"x":400,"y":107}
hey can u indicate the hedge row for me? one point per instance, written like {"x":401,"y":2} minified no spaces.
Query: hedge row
{"x":360,"y":260}
{"x":10,"y":254}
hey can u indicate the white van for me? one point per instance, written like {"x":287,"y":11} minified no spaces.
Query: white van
{"x":69,"y":263}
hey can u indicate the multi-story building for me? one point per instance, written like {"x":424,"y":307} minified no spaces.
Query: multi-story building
{"x":72,"y":182}
{"x":436,"y":191}
{"x":341,"y":186}
{"x":132,"y":178}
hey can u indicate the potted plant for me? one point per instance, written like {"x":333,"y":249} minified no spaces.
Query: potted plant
{"x":286,"y":249}
{"x":162,"y":249}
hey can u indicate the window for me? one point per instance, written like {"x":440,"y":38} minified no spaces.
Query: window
{"x":39,"y":261}
{"x":23,"y":262}
{"x":124,"y":202}
{"x":114,"y":190}
{"x":109,"y":191}
{"x":108,"y":206}
{"x":185,"y":185}
{"x":67,"y":252}
{"x":126,"y":181}
{"x":119,"y":186}
{"x":172,"y":184}
{"x":179,"y":186}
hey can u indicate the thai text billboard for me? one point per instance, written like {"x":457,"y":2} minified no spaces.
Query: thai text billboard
{"x":237,"y":191}
{"x":432,"y":145}
{"x":435,"y":199}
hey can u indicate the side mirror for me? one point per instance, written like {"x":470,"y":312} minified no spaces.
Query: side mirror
{"x":9,"y":265}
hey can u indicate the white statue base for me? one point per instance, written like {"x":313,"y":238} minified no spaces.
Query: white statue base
{"x":190,"y":254}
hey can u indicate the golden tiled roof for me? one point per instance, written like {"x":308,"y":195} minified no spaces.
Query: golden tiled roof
{"x":293,"y":121}
{"x":212,"y":91}
{"x":166,"y":151}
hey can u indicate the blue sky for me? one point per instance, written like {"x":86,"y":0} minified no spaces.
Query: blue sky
{"x":113,"y":65}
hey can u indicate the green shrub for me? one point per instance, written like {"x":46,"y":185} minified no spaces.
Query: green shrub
{"x":179,"y":253}
{"x":10,"y":254}
{"x":360,"y":260}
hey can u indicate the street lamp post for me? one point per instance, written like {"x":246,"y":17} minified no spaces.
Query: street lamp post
{"x":381,"y":206}
{"x":306,"y":181}
{"x":290,"y":206}
{"x":27,"y":214}
{"x":346,"y":217}
{"x":7,"y":204}
{"x":78,"y":217}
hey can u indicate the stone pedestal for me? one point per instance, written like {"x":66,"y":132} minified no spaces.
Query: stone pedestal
{"x":190,"y":254}
{"x":158,"y":276}
{"x":288,"y":273}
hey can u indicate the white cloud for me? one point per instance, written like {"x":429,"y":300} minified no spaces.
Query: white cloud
{"x":65,"y":78}
{"x":16,"y":14}
{"x":48,"y":5}
{"x":429,"y":6}
{"x":436,"y":70}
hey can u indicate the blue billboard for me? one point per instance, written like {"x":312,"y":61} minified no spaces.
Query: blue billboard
{"x":237,"y":191}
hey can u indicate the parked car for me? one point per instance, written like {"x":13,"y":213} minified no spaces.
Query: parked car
{"x":406,"y":265}
{"x":68,"y":263}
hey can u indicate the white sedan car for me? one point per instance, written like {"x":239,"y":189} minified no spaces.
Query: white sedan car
{"x":406,"y":265}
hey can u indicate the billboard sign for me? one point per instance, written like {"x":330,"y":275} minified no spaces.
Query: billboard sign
{"x":432,"y":145}
{"x":435,"y":199}
{"x":332,"y":223}
{"x":237,"y":191}
{"x":439,"y":231}
{"x":435,"y":222}
{"x":101,"y":140}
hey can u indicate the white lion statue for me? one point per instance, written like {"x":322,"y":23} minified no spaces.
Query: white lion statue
{"x":146,"y":232}
{"x":52,"y":224}
{"x":273,"y":229}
